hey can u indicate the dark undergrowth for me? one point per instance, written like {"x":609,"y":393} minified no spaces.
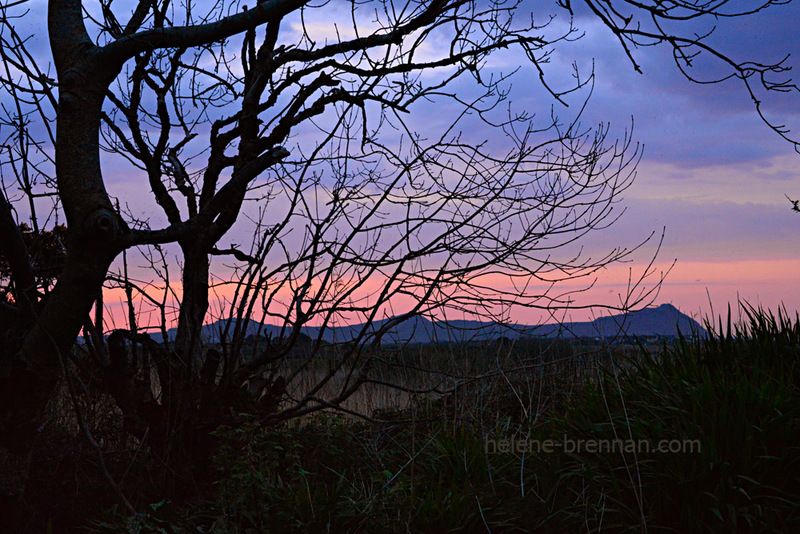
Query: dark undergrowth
{"x":702,"y":435}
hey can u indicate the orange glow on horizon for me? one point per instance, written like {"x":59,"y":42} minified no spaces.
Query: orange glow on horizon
{"x":688,"y":286}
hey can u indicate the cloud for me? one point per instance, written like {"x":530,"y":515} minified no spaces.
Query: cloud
{"x":679,"y":121}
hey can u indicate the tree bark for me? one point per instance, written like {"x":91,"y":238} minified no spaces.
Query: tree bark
{"x":94,"y":231}
{"x":194,"y":303}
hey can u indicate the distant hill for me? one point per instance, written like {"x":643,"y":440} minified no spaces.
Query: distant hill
{"x":665,"y":321}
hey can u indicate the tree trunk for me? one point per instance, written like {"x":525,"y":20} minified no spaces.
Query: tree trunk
{"x":93,"y":235}
{"x":194,"y":304}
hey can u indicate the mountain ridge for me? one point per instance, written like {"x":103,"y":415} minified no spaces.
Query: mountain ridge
{"x":663,"y":321}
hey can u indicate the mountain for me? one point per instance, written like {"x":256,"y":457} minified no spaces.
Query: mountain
{"x":665,"y":321}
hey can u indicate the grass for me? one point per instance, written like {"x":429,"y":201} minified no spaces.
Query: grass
{"x":732,"y":398}
{"x":735,"y":393}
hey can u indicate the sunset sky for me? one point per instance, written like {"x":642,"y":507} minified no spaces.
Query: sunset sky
{"x":713,"y":175}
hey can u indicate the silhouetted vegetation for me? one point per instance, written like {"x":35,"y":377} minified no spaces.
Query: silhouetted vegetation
{"x":429,"y":467}
{"x":46,"y":249}
{"x":214,"y":106}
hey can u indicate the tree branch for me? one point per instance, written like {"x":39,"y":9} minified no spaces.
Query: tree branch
{"x":196,"y":35}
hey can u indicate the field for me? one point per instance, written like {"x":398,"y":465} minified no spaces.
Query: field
{"x":557,"y":438}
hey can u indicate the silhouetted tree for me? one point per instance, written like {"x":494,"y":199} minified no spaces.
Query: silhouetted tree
{"x":301,"y":106}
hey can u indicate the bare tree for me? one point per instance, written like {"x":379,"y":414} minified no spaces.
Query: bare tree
{"x":303,"y":108}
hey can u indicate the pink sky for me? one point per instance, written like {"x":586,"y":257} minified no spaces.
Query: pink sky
{"x":688,"y":286}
